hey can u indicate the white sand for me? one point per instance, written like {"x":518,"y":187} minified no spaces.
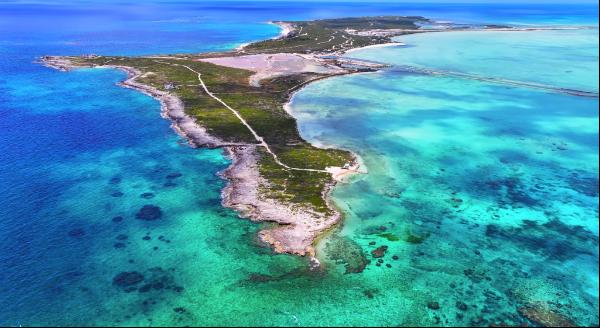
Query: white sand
{"x":271,"y":65}
{"x":382,"y":45}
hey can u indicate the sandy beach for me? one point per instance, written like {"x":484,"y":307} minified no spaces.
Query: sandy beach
{"x":286,"y":28}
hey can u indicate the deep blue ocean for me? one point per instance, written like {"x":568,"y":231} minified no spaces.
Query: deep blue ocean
{"x":79,"y":156}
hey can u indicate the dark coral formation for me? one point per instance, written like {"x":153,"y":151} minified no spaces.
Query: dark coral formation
{"x":433,"y":305}
{"x":174,"y":175}
{"x":586,"y":185}
{"x":121,"y":237}
{"x":379,"y":251}
{"x":127,"y":279}
{"x":147,"y":195}
{"x":119,"y":245}
{"x":553,"y":239}
{"x":259,"y":277}
{"x":414,"y":238}
{"x":159,"y":279}
{"x":507,"y":191}
{"x":153,"y":280}
{"x":542,"y":315}
{"x":149,"y":213}
{"x":345,"y":251}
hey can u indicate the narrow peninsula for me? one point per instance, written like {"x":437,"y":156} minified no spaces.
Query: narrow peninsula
{"x":236,"y":100}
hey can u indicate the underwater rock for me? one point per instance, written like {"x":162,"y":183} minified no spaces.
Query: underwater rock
{"x":77,"y":232}
{"x":433,"y":305}
{"x":475,"y":276}
{"x":145,"y":288}
{"x":395,"y":257}
{"x":122,"y":237}
{"x":117,"y":219}
{"x":117,"y":194}
{"x":149,"y":213}
{"x":461,"y":306}
{"x":147,"y":195}
{"x":119,"y":245}
{"x":372,"y":243}
{"x":179,"y":310}
{"x":174,"y":175}
{"x":370,"y":293}
{"x":115,"y":180}
{"x":542,"y":315}
{"x":128,"y":279}
{"x":393,"y":194}
{"x":379,"y":251}
{"x":146,"y":238}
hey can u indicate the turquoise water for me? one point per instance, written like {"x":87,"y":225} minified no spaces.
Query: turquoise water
{"x":498,"y":184}
{"x":562,"y":58}
{"x":80,"y":157}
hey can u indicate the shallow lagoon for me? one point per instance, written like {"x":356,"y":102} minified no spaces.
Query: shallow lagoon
{"x":487,"y":194}
{"x":560,"y":58}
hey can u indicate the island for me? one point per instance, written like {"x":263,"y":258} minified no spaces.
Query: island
{"x":237,"y":101}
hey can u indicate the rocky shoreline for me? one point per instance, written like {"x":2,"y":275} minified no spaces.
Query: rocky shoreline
{"x":172,"y":107}
{"x":298,"y":226}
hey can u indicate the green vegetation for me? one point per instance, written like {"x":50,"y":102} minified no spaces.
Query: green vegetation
{"x":415,"y":239}
{"x":298,"y":187}
{"x":261,"y":107}
{"x":389,"y":236}
{"x":329,"y":35}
